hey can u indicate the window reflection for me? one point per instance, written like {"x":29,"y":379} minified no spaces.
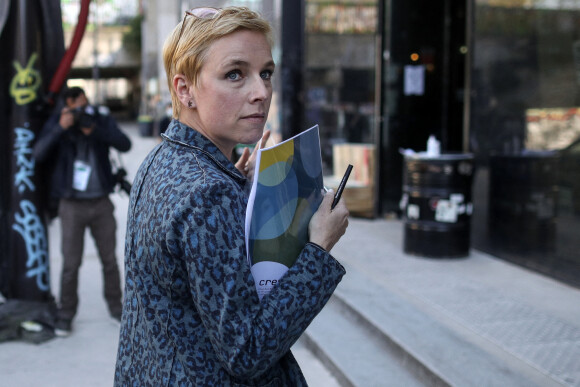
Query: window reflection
{"x":525,"y":132}
{"x":552,"y":128}
{"x":340,"y":92}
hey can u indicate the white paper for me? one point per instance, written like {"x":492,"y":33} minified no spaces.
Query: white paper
{"x":414,"y":80}
{"x":446,"y":211}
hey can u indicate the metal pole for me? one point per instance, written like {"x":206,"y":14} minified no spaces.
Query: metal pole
{"x":293,"y":41}
{"x":469,"y":41}
{"x":96,"y":75}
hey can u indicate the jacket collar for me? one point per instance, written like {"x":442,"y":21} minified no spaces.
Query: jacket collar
{"x":179,"y":133}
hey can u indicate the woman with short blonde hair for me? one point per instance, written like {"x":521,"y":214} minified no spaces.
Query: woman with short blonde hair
{"x":191,"y":312}
{"x":185,"y":49}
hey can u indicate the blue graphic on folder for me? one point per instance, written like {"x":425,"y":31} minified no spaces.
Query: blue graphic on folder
{"x":286,"y":192}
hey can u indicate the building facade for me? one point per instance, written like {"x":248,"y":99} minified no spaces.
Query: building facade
{"x":104,"y":65}
{"x":498,"y":79}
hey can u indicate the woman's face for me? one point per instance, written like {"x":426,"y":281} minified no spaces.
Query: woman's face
{"x":232,"y":98}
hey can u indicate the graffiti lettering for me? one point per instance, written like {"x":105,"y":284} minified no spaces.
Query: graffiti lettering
{"x":24,"y":85}
{"x":32,"y":230}
{"x":24,"y":160}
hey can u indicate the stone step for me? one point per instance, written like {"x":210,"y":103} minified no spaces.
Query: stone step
{"x":355,"y":353}
{"x":313,"y":369}
{"x":371,"y":336}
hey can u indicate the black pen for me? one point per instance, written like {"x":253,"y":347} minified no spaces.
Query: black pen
{"x":341,"y":187}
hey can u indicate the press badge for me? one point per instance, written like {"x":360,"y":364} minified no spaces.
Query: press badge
{"x":82,"y":172}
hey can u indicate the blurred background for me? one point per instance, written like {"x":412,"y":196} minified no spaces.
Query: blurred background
{"x":498,"y":79}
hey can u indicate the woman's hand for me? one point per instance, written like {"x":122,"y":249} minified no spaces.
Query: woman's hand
{"x":247,"y":161}
{"x":327,"y":226}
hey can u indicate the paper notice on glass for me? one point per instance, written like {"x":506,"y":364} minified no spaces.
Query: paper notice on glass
{"x":414,"y":80}
{"x":286,"y":192}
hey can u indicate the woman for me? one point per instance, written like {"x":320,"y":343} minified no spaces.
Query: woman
{"x":191,"y":313}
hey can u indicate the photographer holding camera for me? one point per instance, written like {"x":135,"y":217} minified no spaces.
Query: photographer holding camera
{"x":74,"y":144}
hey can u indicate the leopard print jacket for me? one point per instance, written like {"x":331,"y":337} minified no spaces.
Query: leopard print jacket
{"x":191,"y":314}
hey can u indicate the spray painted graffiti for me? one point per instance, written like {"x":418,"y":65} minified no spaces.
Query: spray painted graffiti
{"x":26,"y":82}
{"x":28,"y":223}
{"x":30,"y":227}
{"x":24,"y":161}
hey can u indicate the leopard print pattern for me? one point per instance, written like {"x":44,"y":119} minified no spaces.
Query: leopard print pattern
{"x":191,"y":314}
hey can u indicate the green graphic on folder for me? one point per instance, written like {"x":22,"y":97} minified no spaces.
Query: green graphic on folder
{"x":286,"y":192}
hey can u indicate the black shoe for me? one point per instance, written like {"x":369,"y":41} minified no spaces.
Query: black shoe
{"x":63,"y":327}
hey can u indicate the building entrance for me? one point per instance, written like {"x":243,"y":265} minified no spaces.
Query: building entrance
{"x":423,"y":80}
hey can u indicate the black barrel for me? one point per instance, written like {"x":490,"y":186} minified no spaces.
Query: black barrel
{"x":437,"y":205}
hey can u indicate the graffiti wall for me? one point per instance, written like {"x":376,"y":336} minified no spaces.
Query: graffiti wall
{"x":30,"y":52}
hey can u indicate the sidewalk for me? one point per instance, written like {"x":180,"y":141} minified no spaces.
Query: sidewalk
{"x":448,"y":314}
{"x":87,"y":357}
{"x":528,"y":321}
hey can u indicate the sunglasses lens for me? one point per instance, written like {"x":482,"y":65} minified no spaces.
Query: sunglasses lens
{"x":204,"y":12}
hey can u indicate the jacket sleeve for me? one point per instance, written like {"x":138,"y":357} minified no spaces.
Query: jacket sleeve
{"x":109,"y":133}
{"x":248,"y":335}
{"x":49,"y":137}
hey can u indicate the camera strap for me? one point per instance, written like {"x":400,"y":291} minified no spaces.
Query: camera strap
{"x":120,"y":174}
{"x":116,"y":162}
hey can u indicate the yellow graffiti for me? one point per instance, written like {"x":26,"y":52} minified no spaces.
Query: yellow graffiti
{"x":26,"y":82}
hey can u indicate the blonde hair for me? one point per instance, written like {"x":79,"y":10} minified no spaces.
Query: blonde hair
{"x":187,"y":53}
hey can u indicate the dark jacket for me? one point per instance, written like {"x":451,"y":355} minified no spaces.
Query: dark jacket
{"x":56,"y":147}
{"x":191,"y":313}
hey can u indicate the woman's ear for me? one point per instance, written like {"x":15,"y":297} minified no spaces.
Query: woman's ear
{"x":182,"y":89}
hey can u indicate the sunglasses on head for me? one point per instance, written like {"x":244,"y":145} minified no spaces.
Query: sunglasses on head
{"x":203,"y":12}
{"x":200,"y":13}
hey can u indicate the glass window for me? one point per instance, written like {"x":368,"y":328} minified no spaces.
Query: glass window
{"x":340,"y":93}
{"x":526,"y":75}
{"x":525,"y":132}
{"x":340,"y":73}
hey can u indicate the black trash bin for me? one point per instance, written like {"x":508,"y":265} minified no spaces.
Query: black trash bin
{"x":437,"y":205}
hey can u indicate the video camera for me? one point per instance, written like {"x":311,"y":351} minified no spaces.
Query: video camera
{"x":84,"y":117}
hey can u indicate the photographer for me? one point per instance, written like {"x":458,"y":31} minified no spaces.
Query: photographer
{"x":75,"y":144}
